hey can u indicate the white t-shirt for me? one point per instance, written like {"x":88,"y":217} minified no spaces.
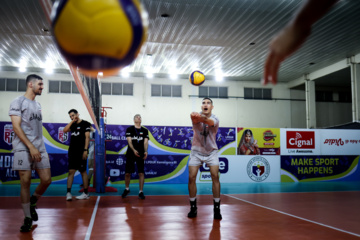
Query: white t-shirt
{"x":31,"y":123}
{"x":204,"y":139}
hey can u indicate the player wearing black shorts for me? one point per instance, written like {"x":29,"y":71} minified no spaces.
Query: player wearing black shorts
{"x":137,"y":137}
{"x":78,"y":152}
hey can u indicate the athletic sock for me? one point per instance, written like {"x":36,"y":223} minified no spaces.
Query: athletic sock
{"x":217,"y":200}
{"x":26,"y":209}
{"x":192,"y":199}
{"x":85,"y":190}
{"x":69,"y":190}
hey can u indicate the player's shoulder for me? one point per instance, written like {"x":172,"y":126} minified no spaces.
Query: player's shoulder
{"x":86,"y":123}
{"x":130,"y":128}
{"x":214,"y":116}
{"x":18,"y":99}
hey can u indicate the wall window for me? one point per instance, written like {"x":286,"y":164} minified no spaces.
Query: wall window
{"x":158,"y":90}
{"x":257,"y":93}
{"x":2,"y":84}
{"x":213,"y":92}
{"x":74,"y":88}
{"x":125,"y":89}
{"x":56,"y":86}
{"x":12,"y":85}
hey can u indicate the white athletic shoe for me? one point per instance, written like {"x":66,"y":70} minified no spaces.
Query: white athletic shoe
{"x":68,"y":197}
{"x":83,"y":196}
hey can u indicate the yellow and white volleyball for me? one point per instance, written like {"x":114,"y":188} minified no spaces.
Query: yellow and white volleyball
{"x":197,"y":78}
{"x":99,"y":35}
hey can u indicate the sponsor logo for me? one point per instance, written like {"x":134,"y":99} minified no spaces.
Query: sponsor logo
{"x":205,"y":174}
{"x":36,"y":117}
{"x":114,"y":172}
{"x":258,"y":169}
{"x":119,"y":161}
{"x":62,"y":136}
{"x":336,"y":142}
{"x":268,"y":135}
{"x":8,"y":133}
{"x":300,"y":139}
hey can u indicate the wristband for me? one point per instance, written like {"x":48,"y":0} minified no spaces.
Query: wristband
{"x":85,"y":150}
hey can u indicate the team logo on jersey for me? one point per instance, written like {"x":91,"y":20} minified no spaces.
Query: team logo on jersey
{"x":8,"y":133}
{"x":258,"y":169}
{"x":62,"y":136}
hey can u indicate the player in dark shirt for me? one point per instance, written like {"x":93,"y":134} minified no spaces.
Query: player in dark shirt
{"x":137,"y":137}
{"x":78,"y":151}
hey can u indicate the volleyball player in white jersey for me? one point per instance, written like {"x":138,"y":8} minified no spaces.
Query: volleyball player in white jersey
{"x":204,"y":150}
{"x":29,"y":148}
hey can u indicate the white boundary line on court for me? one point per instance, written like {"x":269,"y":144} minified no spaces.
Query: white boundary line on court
{"x":304,"y":219}
{"x":89,"y":230}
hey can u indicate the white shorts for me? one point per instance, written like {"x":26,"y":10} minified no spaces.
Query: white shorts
{"x":23,"y":161}
{"x":197,"y":158}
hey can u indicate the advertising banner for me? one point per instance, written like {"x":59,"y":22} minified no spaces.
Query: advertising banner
{"x":168,"y":150}
{"x":344,"y":141}
{"x":319,"y":168}
{"x":249,"y":169}
{"x":258,"y":141}
{"x":300,"y":141}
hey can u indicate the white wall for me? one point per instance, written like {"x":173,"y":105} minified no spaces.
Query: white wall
{"x":298,"y":109}
{"x":232,"y":112}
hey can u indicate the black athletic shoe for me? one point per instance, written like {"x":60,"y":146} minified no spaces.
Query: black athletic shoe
{"x":217,"y":214}
{"x":141,"y":196}
{"x":193,"y":209}
{"x":34,"y":215}
{"x":125,"y":193}
{"x":192,"y":213}
{"x":27,"y":225}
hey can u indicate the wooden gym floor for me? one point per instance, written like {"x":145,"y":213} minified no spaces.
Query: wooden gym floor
{"x":250,"y":211}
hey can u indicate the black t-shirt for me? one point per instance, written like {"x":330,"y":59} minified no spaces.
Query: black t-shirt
{"x":138,"y":136}
{"x":77,"y":140}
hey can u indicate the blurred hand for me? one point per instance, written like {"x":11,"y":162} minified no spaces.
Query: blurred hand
{"x":282,"y":46}
{"x":35,"y":154}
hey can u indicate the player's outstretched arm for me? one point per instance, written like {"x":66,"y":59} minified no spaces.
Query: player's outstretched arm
{"x":290,"y":39}
{"x":195,"y":117}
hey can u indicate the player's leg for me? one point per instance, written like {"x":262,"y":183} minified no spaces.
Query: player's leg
{"x":45,"y":181}
{"x":214,"y":171}
{"x":82,"y":169}
{"x":43,"y":170}
{"x":25,"y":181}
{"x":141,"y":173}
{"x":194,"y":165}
{"x":129,"y":168}
{"x":193,"y":170}
{"x":23,"y":164}
{"x":70,"y":180}
{"x":213,"y":163}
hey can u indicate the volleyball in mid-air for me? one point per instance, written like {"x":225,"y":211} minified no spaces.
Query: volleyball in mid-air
{"x":197,"y":78}
{"x":97,"y":35}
